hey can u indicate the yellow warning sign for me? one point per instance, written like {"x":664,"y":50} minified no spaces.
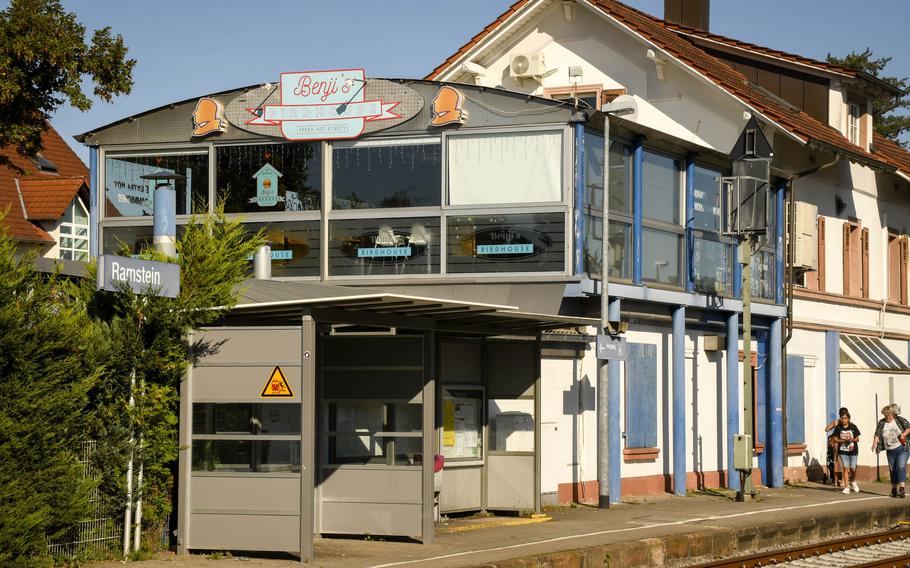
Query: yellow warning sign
{"x":277,"y":386}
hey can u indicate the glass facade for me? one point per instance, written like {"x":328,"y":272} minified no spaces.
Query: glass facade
{"x":366,"y":176}
{"x":506,"y":243}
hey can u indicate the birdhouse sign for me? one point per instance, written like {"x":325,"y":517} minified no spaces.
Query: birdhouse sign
{"x":267,"y":186}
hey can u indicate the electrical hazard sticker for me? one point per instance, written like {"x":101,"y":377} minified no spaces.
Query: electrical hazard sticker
{"x":277,"y":386}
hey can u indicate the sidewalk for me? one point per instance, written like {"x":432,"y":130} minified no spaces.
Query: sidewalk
{"x":656,"y":531}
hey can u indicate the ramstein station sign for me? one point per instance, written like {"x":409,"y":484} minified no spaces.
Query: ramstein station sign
{"x":140,"y":276}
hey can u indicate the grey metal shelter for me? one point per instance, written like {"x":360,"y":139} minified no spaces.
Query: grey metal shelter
{"x":375,"y":385}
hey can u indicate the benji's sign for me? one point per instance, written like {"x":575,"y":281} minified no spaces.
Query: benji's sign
{"x":320,"y":105}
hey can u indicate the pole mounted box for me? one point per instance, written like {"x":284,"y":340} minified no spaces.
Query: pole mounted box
{"x":742,"y":452}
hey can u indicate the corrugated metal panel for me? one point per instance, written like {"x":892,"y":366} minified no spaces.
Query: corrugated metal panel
{"x":641,"y":396}
{"x":486,"y":107}
{"x":796,"y":396}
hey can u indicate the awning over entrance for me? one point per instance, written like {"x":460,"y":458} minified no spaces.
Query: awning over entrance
{"x":283,"y":302}
{"x":869,"y":353}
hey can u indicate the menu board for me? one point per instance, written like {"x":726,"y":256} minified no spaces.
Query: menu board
{"x":462,"y":433}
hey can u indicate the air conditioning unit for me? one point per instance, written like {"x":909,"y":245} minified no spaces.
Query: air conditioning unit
{"x":527,"y":66}
{"x":805,"y":236}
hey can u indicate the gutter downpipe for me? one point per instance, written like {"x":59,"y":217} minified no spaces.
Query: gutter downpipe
{"x":789,"y":285}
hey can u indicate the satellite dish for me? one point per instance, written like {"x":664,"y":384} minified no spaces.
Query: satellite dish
{"x":520,"y":65}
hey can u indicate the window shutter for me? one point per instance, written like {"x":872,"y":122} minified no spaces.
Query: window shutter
{"x":641,"y":396}
{"x":821,"y":254}
{"x":796,"y":420}
{"x":846,"y":259}
{"x":865,"y":261}
{"x":904,"y":246}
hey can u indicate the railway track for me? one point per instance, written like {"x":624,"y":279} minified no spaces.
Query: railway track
{"x":889,"y":549}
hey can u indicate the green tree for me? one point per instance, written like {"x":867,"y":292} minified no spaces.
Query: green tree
{"x":44,"y":58}
{"x":144,"y":338}
{"x":886,"y":120}
{"x":45,"y":375}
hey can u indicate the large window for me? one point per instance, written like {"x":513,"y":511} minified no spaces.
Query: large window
{"x":662,"y":234}
{"x":620,"y":196}
{"x":295,"y":246}
{"x":73,"y":243}
{"x":505,"y":168}
{"x":128,"y":195}
{"x":532,"y":242}
{"x":660,"y":188}
{"x":270,"y":177}
{"x":711,"y":253}
{"x":386,"y":174}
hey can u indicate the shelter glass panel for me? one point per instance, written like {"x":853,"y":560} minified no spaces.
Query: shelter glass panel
{"x":246,"y":418}
{"x":128,"y":195}
{"x":381,"y":246}
{"x":390,"y":174}
{"x":529,"y":242}
{"x":503,"y":168}
{"x":295,"y":246}
{"x":269,"y":177}
{"x":255,"y":456}
{"x":374,"y":433}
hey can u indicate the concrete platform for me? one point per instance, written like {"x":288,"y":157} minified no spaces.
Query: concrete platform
{"x":654,"y":531}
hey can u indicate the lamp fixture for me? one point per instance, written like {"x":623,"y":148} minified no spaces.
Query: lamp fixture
{"x":659,"y":63}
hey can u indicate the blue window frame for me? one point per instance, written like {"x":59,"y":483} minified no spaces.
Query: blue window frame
{"x":796,"y":397}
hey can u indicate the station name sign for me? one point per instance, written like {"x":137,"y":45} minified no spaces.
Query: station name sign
{"x":139,"y":275}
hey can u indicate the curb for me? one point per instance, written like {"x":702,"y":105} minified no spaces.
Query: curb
{"x":706,"y":546}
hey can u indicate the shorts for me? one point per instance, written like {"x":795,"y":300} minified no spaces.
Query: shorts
{"x":848,"y":460}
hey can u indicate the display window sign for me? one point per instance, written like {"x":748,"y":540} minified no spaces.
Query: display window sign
{"x":267,"y":187}
{"x":368,"y":247}
{"x":506,"y":244}
{"x":323,"y":105}
{"x":386,"y":245}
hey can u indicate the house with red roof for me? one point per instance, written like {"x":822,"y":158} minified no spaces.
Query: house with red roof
{"x":683,"y":100}
{"x":46,"y":203}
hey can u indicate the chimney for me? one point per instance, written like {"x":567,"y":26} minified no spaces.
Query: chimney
{"x":692,"y":13}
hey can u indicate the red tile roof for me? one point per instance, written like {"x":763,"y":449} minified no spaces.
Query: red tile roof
{"x":55,"y":149}
{"x":657,"y":31}
{"x":47,"y":199}
{"x":761,"y":50}
{"x":895,"y":153}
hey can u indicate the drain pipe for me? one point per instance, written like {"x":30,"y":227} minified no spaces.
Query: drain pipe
{"x":262,"y":263}
{"x":789,"y":285}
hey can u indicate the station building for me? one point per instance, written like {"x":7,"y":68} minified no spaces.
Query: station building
{"x":436,"y":275}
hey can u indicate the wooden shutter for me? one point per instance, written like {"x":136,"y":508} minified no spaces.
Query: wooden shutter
{"x":895,"y":250}
{"x":865,"y":263}
{"x":641,"y":396}
{"x":796,"y":389}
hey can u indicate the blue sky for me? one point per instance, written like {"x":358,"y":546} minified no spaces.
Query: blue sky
{"x":186,"y":49}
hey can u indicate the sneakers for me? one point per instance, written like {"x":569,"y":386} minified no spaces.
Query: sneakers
{"x":900,"y":493}
{"x":894,"y":491}
{"x":855,"y":487}
{"x":846,"y":490}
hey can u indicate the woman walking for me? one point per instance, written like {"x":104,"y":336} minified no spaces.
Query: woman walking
{"x":847,"y":435}
{"x":891,"y":435}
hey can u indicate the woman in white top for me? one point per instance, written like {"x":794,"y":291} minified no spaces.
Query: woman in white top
{"x":892,"y":435}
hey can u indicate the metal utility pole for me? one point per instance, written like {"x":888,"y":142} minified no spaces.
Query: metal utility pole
{"x":607,"y":329}
{"x":745,"y":258}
